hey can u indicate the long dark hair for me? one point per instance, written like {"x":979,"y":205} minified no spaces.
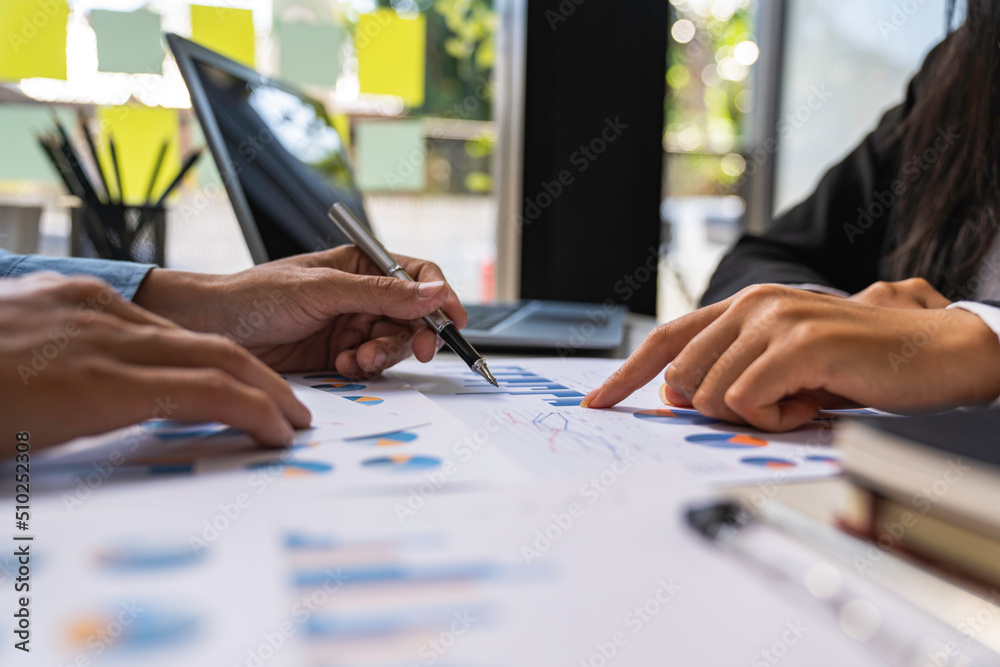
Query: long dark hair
{"x":949,"y":218}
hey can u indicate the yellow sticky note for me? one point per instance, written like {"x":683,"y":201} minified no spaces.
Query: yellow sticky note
{"x":226,"y":30}
{"x":392,"y":55}
{"x":139,"y":133}
{"x":33,"y":42}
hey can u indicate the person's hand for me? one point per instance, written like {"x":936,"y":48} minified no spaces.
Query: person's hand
{"x":771,"y":355}
{"x":912,"y":293}
{"x":77,"y":359}
{"x":322,"y":311}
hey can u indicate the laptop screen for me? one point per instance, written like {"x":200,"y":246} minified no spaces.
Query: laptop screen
{"x":291,"y":162}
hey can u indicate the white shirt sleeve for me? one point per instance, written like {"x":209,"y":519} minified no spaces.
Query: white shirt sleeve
{"x":990,"y":315}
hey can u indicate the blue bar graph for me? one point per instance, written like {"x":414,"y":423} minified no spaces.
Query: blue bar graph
{"x":516,"y":381}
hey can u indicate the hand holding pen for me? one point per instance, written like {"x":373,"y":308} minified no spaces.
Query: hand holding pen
{"x":438,"y":322}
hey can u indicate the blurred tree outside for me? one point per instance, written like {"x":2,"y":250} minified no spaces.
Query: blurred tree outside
{"x":709,"y":76}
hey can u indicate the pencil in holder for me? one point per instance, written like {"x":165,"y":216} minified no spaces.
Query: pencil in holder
{"x":115,"y":231}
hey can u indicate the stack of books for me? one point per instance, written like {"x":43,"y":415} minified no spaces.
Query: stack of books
{"x":930,"y":489}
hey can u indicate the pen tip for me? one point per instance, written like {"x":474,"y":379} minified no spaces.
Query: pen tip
{"x":483,"y":371}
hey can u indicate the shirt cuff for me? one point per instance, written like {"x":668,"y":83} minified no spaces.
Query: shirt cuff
{"x":822,"y":289}
{"x":990,"y":315}
{"x":125,"y":277}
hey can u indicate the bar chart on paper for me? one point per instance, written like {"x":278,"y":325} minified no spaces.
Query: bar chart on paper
{"x":535,"y":417}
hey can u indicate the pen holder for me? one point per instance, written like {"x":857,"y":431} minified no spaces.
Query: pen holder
{"x":114,"y":231}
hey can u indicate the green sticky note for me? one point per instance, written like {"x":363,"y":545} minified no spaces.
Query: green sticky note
{"x":309,"y":53}
{"x":392,"y":55}
{"x":21,"y":158}
{"x":226,"y":30}
{"x":139,"y":133}
{"x":128,"y":41}
{"x":33,"y":42}
{"x":391,"y":156}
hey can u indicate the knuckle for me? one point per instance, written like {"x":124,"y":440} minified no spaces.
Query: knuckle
{"x":807,"y":334}
{"x":737,"y":400}
{"x":757,"y":294}
{"x":881,"y":289}
{"x":918,"y":284}
{"x":225,"y":348}
{"x":683,"y":378}
{"x":84,"y":286}
{"x":383,"y":286}
{"x":661,"y":333}
{"x":709,"y":403}
{"x":433,"y":269}
{"x":216,"y":384}
{"x":102,"y":326}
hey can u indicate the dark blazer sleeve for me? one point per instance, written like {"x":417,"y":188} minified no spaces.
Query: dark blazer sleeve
{"x":835,"y":237}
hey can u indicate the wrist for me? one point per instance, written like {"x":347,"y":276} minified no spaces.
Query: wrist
{"x":981,"y":346}
{"x":187,"y":299}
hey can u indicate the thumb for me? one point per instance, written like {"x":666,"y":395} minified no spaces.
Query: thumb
{"x":389,"y":297}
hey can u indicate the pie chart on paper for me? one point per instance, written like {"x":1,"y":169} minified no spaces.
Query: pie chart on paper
{"x":294,"y":468}
{"x":386,"y":439}
{"x":768,"y":462}
{"x":403,"y":463}
{"x":365,"y":400}
{"x":672,"y":416}
{"x":726,"y":440}
{"x":339,"y":386}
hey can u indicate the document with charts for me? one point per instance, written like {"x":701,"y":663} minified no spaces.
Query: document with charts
{"x":536,"y":418}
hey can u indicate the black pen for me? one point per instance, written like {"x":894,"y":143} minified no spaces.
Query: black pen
{"x":117,"y":168}
{"x":89,"y":137}
{"x":185,"y":168}
{"x":156,"y":172}
{"x":437,"y":321}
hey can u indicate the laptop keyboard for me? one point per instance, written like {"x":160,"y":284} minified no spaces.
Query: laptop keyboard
{"x":485,"y":317}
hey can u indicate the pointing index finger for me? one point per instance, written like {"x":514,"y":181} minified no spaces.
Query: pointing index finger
{"x":659,"y":349}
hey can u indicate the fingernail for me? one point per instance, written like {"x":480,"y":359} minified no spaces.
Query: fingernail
{"x":589,"y":398}
{"x":663,"y":394}
{"x":427,"y":290}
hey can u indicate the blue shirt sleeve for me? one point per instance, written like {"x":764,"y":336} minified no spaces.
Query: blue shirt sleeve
{"x":123,"y":276}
